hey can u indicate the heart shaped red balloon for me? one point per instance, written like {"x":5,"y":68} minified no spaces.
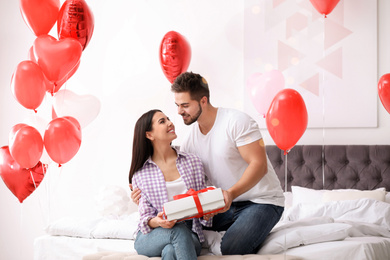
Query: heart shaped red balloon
{"x":21,"y":182}
{"x":287,"y":118}
{"x":75,"y":20}
{"x":384,"y":91}
{"x":40,"y":15}
{"x":28,"y":84}
{"x":175,"y":55}
{"x":56,"y":58}
{"x":50,"y":86}
{"x":324,"y":7}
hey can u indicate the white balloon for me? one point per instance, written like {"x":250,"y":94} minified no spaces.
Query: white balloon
{"x":85,"y":108}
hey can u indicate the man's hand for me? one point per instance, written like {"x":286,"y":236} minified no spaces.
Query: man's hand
{"x":159,"y":221}
{"x":227,"y":196}
{"x":135,"y":194}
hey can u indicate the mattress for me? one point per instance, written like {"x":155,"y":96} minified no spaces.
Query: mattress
{"x":49,"y":247}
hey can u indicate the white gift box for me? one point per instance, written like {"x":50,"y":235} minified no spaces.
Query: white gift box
{"x":186,"y":207}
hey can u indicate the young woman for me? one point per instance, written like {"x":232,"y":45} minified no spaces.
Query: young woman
{"x":161,"y":172}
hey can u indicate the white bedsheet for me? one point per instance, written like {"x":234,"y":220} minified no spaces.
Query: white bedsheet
{"x":355,"y":229}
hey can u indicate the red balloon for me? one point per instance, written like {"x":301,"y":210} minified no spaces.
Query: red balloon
{"x":50,"y":86}
{"x":57,"y":58}
{"x":21,"y":182}
{"x":40,"y":15}
{"x":286,"y":119}
{"x":75,"y":20}
{"x":175,"y":55}
{"x":28,"y":84}
{"x":324,"y":7}
{"x":384,"y":91}
{"x":62,"y":139}
{"x":25,"y":145}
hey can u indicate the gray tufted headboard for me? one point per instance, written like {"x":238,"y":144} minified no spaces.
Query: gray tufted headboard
{"x":363,"y":167}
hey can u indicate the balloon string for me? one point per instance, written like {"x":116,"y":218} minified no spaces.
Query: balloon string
{"x":32,"y":177}
{"x":21,"y":230}
{"x":323,"y":113}
{"x":285,"y":173}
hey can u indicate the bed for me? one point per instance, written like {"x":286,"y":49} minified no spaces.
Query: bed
{"x":337,"y":207}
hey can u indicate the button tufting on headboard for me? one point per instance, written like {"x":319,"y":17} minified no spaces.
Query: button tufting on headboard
{"x":363,"y":167}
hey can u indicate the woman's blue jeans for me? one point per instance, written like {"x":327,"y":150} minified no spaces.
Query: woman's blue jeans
{"x":247,"y":225}
{"x":177,"y":243}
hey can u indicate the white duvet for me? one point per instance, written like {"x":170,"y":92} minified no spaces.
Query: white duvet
{"x":302,"y":224}
{"x":306,"y":224}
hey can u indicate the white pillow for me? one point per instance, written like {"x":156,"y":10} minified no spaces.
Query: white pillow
{"x":72,"y":227}
{"x":121,"y":228}
{"x":378,"y":194}
{"x":387,"y":197}
{"x":307,"y":195}
{"x":282,"y":239}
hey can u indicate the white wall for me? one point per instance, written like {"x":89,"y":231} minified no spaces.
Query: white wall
{"x":120,"y":67}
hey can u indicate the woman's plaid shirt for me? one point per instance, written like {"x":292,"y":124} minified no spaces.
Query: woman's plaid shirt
{"x":150,"y":180}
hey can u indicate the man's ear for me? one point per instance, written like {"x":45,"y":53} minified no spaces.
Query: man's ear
{"x":149,"y":136}
{"x":203,"y":100}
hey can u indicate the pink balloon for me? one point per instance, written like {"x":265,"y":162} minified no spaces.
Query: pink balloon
{"x":287,"y":119}
{"x":57,"y":58}
{"x":25,"y":145}
{"x":28,"y":84}
{"x":21,"y":182}
{"x":262,"y":88}
{"x":62,"y":139}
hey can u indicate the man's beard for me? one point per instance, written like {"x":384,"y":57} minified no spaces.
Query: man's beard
{"x":193,"y":119}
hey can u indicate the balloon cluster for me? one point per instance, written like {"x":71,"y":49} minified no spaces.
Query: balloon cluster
{"x":50,"y":64}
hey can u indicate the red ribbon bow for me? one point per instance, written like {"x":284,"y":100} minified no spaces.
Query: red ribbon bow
{"x":194,"y":194}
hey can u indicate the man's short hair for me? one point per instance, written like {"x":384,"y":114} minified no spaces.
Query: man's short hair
{"x":193,"y":83}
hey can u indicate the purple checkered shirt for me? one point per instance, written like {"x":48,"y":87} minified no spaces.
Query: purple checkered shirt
{"x":150,"y":180}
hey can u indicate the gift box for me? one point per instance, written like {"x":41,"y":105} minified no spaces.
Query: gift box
{"x":194,"y":204}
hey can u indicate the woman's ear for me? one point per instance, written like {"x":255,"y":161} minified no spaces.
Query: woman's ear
{"x":149,"y":136}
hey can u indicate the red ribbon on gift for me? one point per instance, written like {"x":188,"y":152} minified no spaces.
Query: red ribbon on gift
{"x":194,"y":194}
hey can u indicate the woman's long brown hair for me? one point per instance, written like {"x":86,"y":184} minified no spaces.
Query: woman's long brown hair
{"x":142,"y":146}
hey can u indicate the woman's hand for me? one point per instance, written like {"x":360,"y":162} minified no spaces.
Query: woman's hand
{"x":135,"y":194}
{"x":159,"y":221}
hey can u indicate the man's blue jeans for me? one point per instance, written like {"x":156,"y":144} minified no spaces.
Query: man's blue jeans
{"x":247,"y":225}
{"x":174,"y":243}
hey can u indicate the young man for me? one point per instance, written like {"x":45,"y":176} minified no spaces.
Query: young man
{"x":232,"y":151}
{"x":231,"y":148}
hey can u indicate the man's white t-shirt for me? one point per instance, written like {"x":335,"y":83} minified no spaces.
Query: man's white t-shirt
{"x":222,"y":161}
